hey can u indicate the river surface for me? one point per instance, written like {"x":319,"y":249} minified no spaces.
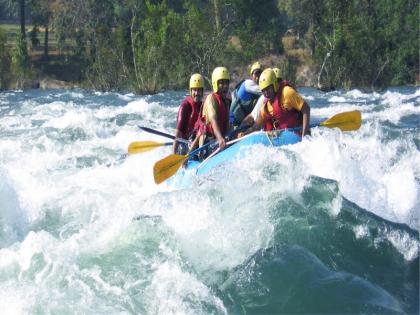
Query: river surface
{"x":326,"y":226}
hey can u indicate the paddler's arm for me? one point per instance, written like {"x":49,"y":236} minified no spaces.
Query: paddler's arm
{"x":292,"y":99}
{"x":247,"y":122}
{"x":217,"y":133}
{"x":252,"y":87}
{"x":306,"y":116}
{"x":184,"y":113}
{"x":194,"y":144}
{"x":178,"y":134}
{"x":210,"y":110}
{"x":258,"y":124}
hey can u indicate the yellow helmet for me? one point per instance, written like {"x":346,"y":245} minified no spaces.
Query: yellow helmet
{"x":196,"y":81}
{"x":219,"y":73}
{"x":277,"y":73}
{"x":267,"y":78}
{"x":255,"y":66}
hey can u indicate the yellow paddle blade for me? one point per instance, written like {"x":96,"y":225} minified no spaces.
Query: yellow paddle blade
{"x":346,"y":121}
{"x":165,"y":168}
{"x":143,"y":146}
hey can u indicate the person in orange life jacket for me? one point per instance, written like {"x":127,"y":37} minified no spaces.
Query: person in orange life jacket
{"x":188,"y":113}
{"x":252,"y":117}
{"x":215,"y":111}
{"x":283,"y":107}
{"x":245,"y":96}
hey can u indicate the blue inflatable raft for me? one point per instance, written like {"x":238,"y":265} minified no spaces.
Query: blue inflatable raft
{"x":184,"y":176}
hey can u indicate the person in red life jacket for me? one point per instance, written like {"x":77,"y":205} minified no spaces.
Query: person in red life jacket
{"x":253,"y":116}
{"x":188,"y":113}
{"x":215,"y":111}
{"x":283,"y":107}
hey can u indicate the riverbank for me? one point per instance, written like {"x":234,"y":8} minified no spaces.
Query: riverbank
{"x":59,"y":73}
{"x":61,"y":68}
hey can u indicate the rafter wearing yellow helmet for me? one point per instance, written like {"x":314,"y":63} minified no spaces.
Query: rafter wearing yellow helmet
{"x":282,"y":107}
{"x":277,"y":72}
{"x":215,"y":113}
{"x":245,"y":95}
{"x":188,"y":113}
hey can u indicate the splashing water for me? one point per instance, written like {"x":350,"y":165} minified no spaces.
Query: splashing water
{"x":329,"y":225}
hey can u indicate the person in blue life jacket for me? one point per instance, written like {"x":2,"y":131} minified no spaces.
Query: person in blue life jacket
{"x":245,"y":96}
{"x":283,"y":107}
{"x":253,"y":116}
{"x":188,"y":113}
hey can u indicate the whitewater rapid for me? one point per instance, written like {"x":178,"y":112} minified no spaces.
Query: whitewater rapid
{"x":84,"y":228}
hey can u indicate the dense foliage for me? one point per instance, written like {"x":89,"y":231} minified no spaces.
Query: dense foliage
{"x":150,"y":45}
{"x":4,"y":62}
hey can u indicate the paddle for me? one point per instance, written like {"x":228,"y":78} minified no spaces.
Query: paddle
{"x":144,"y":146}
{"x":346,"y":121}
{"x":168,"y":166}
{"x":157,"y":132}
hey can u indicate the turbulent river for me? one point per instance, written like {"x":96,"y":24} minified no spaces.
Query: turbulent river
{"x":329,"y":225}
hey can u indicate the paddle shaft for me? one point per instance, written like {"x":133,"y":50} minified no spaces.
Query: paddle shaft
{"x":213,"y":142}
{"x":163,"y":134}
{"x":157,"y":132}
{"x":217,"y":151}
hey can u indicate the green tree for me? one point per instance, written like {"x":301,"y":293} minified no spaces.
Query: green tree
{"x":398,"y":26}
{"x":159,"y":48}
{"x":41,"y":14}
{"x":205,"y":44}
{"x":22,"y":17}
{"x":20,"y":61}
{"x":150,"y":45}
{"x":259,"y":26}
{"x":4,"y":62}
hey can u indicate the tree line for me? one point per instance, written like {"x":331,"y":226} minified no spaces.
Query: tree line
{"x":150,"y":45}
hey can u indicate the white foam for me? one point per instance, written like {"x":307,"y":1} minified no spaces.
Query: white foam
{"x":69,"y":119}
{"x":13,"y":220}
{"x":14,"y":300}
{"x":337,"y":99}
{"x":78,"y":196}
{"x":361,"y":231}
{"x":385,"y":179}
{"x":174,"y":291}
{"x":126,"y":97}
{"x":406,"y":245}
{"x":77,"y":95}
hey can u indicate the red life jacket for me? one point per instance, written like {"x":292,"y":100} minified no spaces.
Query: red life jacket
{"x":222,"y":117}
{"x":281,"y":118}
{"x":195,"y":111}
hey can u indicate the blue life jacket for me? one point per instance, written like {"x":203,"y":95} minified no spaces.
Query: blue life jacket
{"x":243,"y":103}
{"x":243,"y":94}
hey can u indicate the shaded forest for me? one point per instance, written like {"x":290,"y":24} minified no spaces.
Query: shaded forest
{"x":148,"y":46}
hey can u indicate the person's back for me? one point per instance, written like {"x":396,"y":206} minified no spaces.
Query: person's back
{"x":245,"y":96}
